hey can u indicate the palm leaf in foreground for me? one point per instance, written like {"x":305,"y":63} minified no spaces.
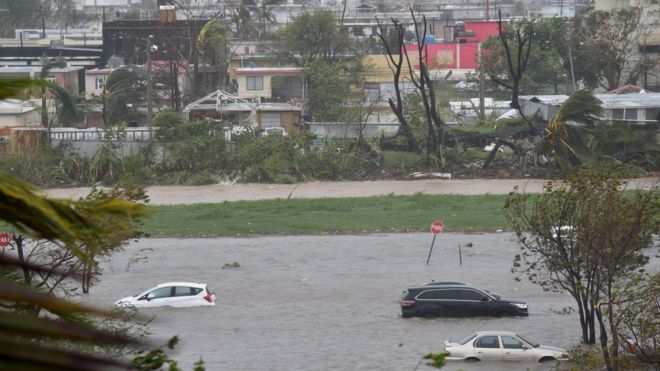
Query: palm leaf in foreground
{"x":10,"y":88}
{"x":32,"y":342}
{"x":63,"y":220}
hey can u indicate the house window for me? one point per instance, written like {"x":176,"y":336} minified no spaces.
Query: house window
{"x":652,"y":114}
{"x":271,"y":120}
{"x":371,"y":92}
{"x":99,"y":82}
{"x":255,"y":83}
{"x":631,"y":114}
{"x":246,"y":50}
{"x":617,"y":114}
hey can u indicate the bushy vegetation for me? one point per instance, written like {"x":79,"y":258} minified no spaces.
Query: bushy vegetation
{"x":197,"y":153}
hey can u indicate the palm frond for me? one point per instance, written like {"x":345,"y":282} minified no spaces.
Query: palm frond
{"x":581,"y":107}
{"x":12,"y":87}
{"x":213,"y":35}
{"x":63,"y":220}
{"x":68,"y":113}
{"x":29,"y":341}
{"x":568,"y":143}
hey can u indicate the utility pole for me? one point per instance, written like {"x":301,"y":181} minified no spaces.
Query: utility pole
{"x":570,"y":59}
{"x":149,"y":88}
{"x":482,"y":82}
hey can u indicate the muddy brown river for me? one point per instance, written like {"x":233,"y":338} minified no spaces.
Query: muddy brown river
{"x":329,"y":302}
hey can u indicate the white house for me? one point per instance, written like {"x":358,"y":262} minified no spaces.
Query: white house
{"x":641,"y":108}
{"x":16,"y":113}
{"x":95,"y":81}
{"x":276,"y":83}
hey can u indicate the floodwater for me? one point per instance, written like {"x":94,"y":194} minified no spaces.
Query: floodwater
{"x":329,"y":302}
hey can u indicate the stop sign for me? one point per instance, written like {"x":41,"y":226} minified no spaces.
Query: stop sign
{"x":437,"y":227}
{"x":4,"y":239}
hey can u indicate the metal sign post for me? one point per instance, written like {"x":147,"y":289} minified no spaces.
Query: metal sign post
{"x":436,"y":228}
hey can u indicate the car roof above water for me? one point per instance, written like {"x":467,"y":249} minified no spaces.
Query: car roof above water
{"x":503,"y":333}
{"x":178,"y":283}
{"x":440,"y":283}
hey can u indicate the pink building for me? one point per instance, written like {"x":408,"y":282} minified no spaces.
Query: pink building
{"x":459,"y":49}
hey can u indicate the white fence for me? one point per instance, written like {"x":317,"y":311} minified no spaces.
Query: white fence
{"x":140,"y":134}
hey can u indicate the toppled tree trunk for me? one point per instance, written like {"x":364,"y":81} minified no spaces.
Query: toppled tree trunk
{"x":498,"y":144}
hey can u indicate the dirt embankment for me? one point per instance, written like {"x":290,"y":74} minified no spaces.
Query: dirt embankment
{"x":164,"y":195}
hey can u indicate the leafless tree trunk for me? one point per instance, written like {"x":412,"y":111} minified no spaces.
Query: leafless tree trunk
{"x":395,"y":63}
{"x":425,"y":87}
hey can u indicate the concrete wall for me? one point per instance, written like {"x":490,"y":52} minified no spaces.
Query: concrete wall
{"x":26,"y":119}
{"x":328,"y":130}
{"x":86,"y":142}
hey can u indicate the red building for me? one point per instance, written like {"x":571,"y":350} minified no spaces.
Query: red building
{"x":458,"y":50}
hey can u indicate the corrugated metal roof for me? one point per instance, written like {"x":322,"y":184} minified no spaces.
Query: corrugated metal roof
{"x":632,"y":100}
{"x":554,"y":100}
{"x":609,"y":101}
{"x":14,"y":107}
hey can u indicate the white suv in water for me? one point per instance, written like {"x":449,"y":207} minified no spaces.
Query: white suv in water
{"x":173,"y":294}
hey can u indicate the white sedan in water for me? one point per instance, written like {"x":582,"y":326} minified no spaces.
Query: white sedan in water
{"x":501,"y":346}
{"x":173,"y":294}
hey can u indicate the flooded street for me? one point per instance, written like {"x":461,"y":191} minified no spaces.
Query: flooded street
{"x":328,"y":302}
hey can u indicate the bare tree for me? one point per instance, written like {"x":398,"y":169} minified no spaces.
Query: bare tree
{"x":423,"y":83}
{"x":395,"y":61}
{"x":614,"y":36}
{"x":426,"y":89}
{"x":585,"y":237}
{"x":517,"y":56}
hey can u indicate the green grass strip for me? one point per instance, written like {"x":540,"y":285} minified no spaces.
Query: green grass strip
{"x":328,"y":215}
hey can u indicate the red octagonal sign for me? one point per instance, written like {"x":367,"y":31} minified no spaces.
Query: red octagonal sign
{"x":4,"y":239}
{"x":437,"y":227}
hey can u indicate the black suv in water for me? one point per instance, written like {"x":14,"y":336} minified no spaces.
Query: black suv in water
{"x":457,"y":299}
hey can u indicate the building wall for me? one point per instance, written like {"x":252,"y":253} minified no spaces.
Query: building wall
{"x":378,"y":70}
{"x":291,"y":121}
{"x":26,"y":119}
{"x":447,"y":55}
{"x":68,"y":80}
{"x":243,"y":47}
{"x":90,"y":82}
{"x":461,"y":54}
{"x":264,"y":92}
{"x":341,"y":130}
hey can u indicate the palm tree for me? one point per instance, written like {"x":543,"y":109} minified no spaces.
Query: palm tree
{"x":242,"y":19}
{"x":266,"y":15}
{"x":567,"y":143}
{"x":66,"y":111}
{"x":212,"y":41}
{"x":124,"y":86}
